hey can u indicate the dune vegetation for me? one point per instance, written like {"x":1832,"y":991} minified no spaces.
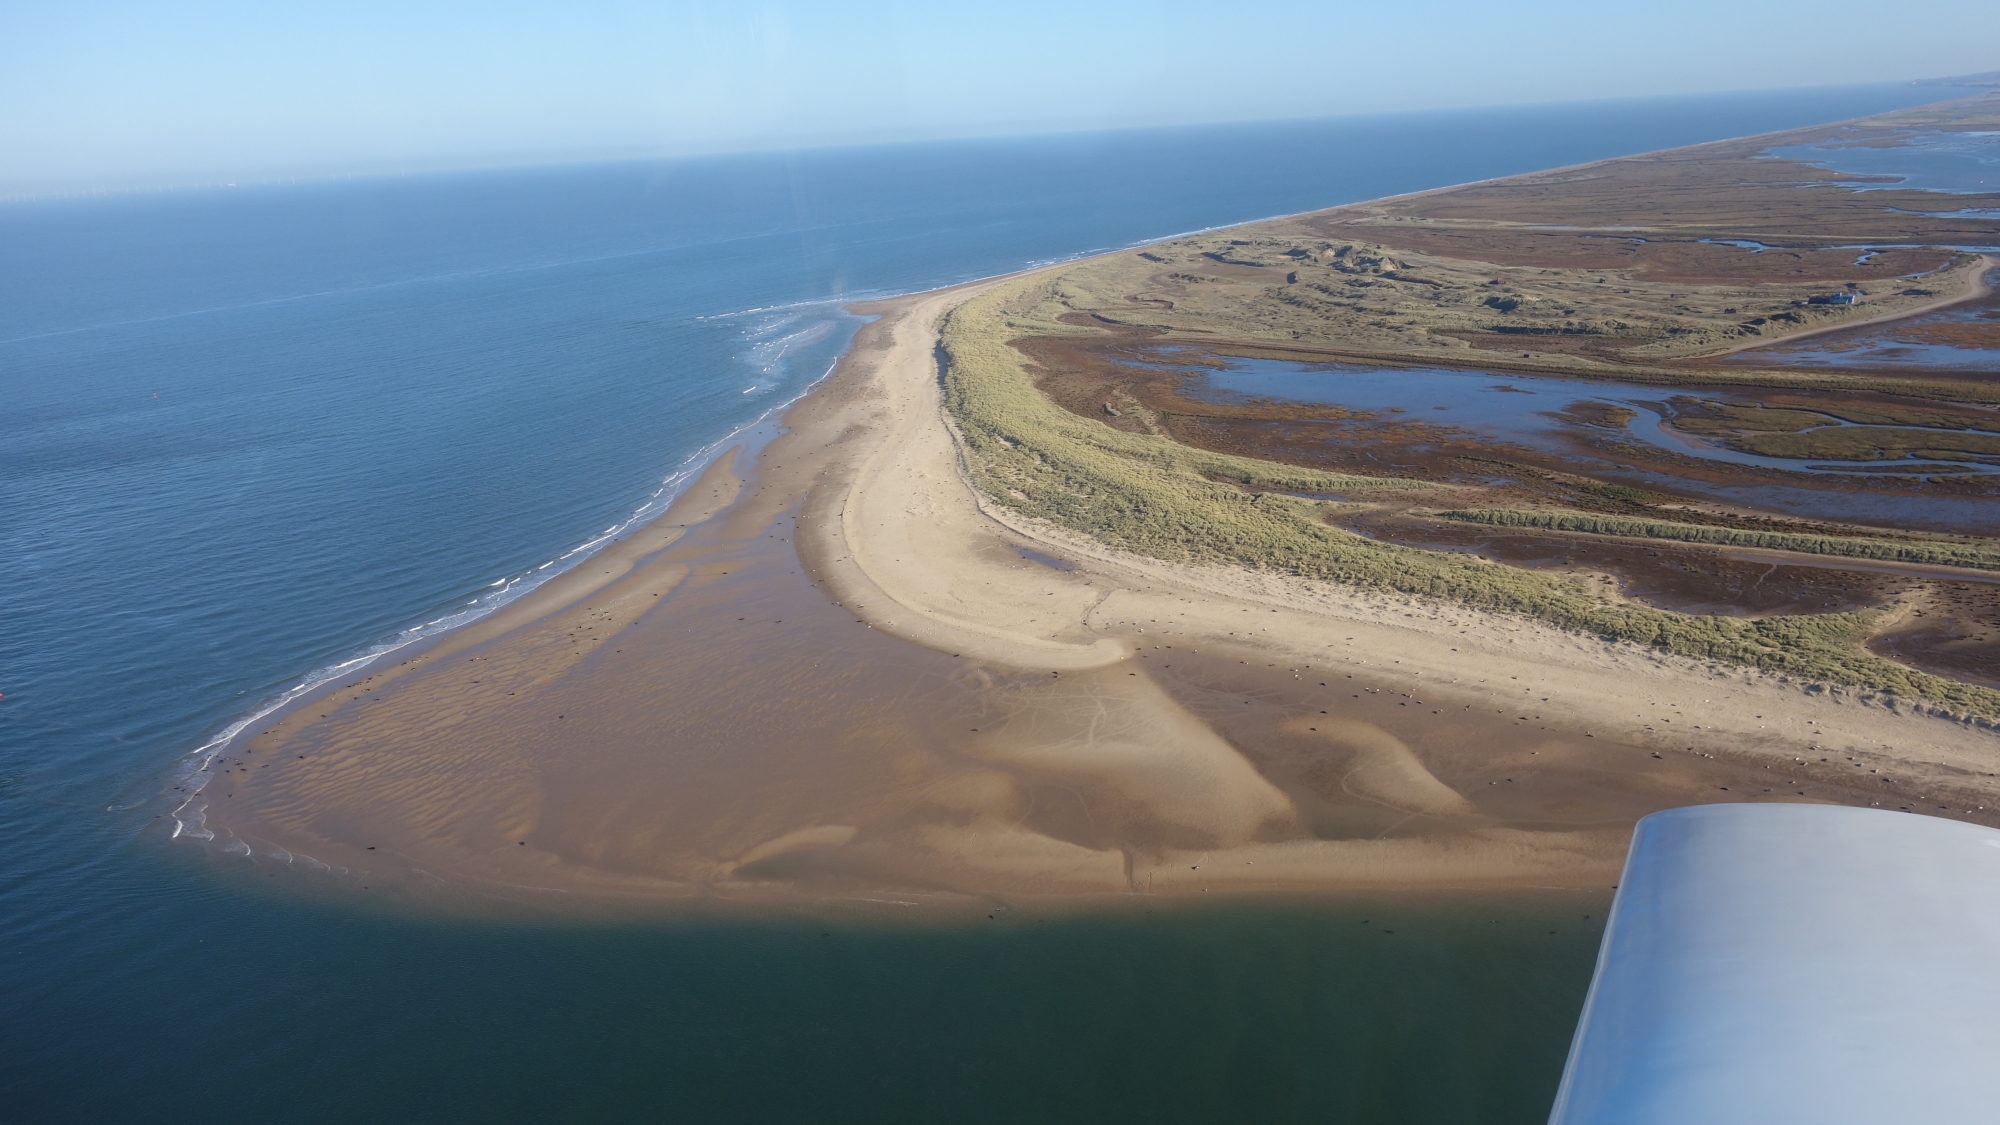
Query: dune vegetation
{"x":1152,"y":496}
{"x":1887,"y":550}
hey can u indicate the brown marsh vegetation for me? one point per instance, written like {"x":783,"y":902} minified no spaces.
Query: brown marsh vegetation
{"x":1820,"y":517}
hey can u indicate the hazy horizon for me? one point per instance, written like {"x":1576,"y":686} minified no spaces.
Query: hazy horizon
{"x":116,"y":95}
{"x":474,"y":163}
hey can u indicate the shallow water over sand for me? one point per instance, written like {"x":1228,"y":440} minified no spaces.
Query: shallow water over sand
{"x":713,"y":725}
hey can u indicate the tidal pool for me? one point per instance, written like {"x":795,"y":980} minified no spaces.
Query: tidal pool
{"x":1524,"y":409}
{"x":1944,"y":162}
{"x":1425,"y":421}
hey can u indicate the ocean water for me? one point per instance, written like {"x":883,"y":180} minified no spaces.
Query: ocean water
{"x":250,"y":434}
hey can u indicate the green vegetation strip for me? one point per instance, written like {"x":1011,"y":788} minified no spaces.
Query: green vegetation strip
{"x":1887,"y":550}
{"x":1153,"y":496}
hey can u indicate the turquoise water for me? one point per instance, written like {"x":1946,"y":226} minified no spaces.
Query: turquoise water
{"x":252,"y":434}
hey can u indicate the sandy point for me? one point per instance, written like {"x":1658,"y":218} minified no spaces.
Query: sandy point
{"x":836,"y":671}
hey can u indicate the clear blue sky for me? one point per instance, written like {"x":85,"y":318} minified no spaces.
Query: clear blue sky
{"x":103,"y":93}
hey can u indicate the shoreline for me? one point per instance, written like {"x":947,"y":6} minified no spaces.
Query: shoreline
{"x":1228,"y":582}
{"x":953,"y":581}
{"x":868,"y":474}
{"x":307,"y":690}
{"x":563,"y":587}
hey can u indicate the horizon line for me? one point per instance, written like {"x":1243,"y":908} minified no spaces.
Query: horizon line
{"x":476,"y":165}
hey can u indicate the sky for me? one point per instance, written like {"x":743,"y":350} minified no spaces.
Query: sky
{"x":115,"y":94}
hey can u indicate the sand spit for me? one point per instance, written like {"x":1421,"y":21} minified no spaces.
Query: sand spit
{"x":837,"y":672}
{"x":933,"y":566}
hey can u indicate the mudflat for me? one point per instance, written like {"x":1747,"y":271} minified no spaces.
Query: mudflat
{"x":970,"y":627}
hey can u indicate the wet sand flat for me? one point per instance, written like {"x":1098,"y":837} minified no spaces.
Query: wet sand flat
{"x":830,"y":672}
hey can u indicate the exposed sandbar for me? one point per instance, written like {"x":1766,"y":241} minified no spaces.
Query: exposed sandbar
{"x":838,"y":670}
{"x":733,"y":705}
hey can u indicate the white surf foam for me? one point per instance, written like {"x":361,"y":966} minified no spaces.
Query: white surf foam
{"x":772,"y":345}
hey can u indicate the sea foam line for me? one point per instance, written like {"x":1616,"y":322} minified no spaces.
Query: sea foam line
{"x":190,"y":816}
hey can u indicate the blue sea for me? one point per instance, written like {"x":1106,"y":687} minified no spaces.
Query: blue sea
{"x":247,"y":435}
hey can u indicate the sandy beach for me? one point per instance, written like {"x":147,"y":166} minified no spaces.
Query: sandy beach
{"x":836,"y":671}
